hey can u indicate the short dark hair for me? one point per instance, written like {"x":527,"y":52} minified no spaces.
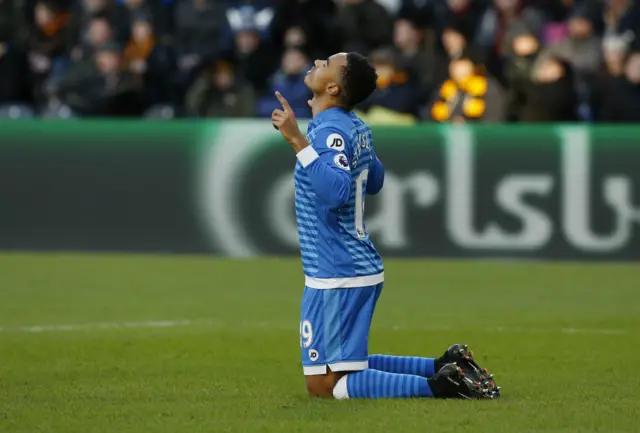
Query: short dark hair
{"x":358,"y":80}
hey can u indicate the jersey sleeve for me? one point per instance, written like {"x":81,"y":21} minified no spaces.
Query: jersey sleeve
{"x":327,"y":165}
{"x":375,"y":180}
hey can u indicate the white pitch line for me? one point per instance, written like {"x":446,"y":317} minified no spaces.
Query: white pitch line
{"x":96,"y":326}
{"x":594,"y":331}
{"x":514,"y":330}
{"x":34,"y":329}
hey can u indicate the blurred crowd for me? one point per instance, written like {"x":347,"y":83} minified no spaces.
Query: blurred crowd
{"x":437,"y":60}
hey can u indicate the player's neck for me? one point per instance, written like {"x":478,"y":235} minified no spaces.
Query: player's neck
{"x":322,"y":103}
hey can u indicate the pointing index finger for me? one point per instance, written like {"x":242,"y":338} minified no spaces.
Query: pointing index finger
{"x":284,"y":102}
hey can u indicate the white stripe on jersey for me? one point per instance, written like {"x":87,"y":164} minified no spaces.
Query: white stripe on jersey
{"x":343,"y":283}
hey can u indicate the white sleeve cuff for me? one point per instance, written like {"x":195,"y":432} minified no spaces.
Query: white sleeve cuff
{"x":307,"y":155}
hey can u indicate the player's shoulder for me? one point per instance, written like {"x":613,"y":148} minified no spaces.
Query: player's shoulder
{"x":334,"y":130}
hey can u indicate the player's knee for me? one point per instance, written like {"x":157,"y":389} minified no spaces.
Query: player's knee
{"x":322,"y":385}
{"x":318,"y":386}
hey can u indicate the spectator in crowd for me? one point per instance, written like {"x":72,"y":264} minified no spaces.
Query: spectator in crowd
{"x":148,"y":61}
{"x":97,"y":32}
{"x":254,"y":53}
{"x":549,"y":95}
{"x":48,"y":46}
{"x":219,"y":92}
{"x":86,"y":10}
{"x":622,"y":24}
{"x":159,"y":14}
{"x":295,"y":36}
{"x":419,"y":11}
{"x":289,"y":80}
{"x":396,"y":94}
{"x":199,"y":30}
{"x":100,"y":86}
{"x":499,"y":26}
{"x":582,"y":49}
{"x":525,"y":49}
{"x":468,"y":95}
{"x":455,"y":43}
{"x":504,"y":20}
{"x":464,"y":15}
{"x":615,"y":46}
{"x":413,"y":56}
{"x":315,"y":19}
{"x":622,"y":102}
{"x":539,"y":89}
{"x":365,"y":25}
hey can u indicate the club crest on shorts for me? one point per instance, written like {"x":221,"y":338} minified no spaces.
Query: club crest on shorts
{"x":340,"y":160}
{"x":313,"y":355}
{"x":335,"y":141}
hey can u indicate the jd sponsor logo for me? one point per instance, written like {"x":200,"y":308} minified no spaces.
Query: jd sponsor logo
{"x":313,"y":355}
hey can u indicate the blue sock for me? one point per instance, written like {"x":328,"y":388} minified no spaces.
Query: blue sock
{"x":380,"y":384}
{"x":417,"y":366}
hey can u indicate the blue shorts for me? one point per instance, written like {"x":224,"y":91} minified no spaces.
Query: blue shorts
{"x":334,"y":328}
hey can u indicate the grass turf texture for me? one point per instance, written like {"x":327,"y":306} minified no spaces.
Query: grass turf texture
{"x":561,"y":339}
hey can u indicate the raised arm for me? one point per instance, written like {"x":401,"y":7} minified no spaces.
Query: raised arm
{"x":328,"y":168}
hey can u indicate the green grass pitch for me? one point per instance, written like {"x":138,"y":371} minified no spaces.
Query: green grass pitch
{"x":118,"y":343}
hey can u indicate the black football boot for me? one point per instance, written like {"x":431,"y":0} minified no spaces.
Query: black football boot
{"x":463,"y":358}
{"x":452,"y":383}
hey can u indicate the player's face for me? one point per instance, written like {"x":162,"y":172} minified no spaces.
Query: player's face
{"x":325,"y":75}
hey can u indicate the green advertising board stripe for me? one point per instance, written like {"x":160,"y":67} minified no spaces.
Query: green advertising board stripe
{"x":98,"y":185}
{"x":547,"y":192}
